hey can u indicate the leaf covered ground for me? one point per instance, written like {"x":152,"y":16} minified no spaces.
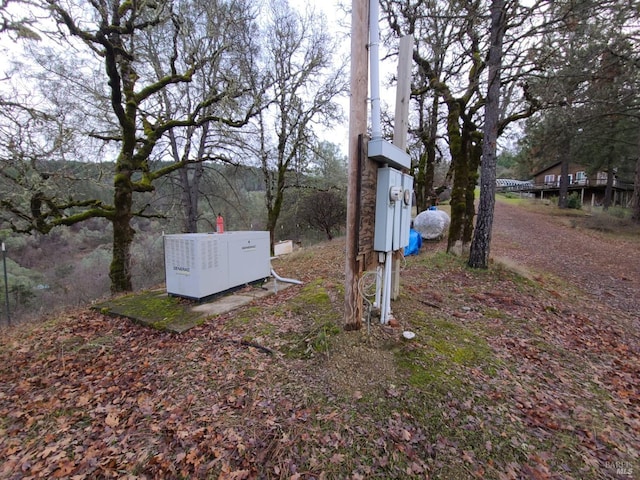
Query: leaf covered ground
{"x":515,"y":372}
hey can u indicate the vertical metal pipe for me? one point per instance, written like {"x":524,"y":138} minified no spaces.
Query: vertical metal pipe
{"x":386,"y":289}
{"x":374,"y":68}
{"x":379,"y":272}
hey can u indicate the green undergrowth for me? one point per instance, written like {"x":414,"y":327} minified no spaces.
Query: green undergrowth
{"x":319,"y":321}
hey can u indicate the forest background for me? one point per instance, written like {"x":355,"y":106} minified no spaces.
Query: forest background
{"x":122,"y":121}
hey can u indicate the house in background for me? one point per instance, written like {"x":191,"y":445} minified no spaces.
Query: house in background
{"x":591,"y":188}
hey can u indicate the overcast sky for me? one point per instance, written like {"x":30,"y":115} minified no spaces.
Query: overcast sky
{"x":338,"y":21}
{"x":338,"y":18}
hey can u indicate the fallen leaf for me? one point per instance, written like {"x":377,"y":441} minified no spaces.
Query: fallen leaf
{"x":112,"y":420}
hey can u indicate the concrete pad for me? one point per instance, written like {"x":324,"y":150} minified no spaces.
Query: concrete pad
{"x":159,"y":310}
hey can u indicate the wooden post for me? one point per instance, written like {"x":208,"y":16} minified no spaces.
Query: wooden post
{"x":403,"y":97}
{"x":403,"y":92}
{"x":357,"y":129}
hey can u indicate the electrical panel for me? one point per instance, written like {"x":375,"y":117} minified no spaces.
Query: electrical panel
{"x":405,"y":210}
{"x":198,"y":265}
{"x":394,"y":199}
{"x":388,"y":205}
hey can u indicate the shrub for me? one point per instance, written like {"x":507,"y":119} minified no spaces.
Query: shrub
{"x":617,"y":212}
{"x":574,"y":201}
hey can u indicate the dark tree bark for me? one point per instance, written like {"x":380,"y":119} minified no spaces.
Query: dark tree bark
{"x":190,"y":177}
{"x":563,"y":199}
{"x":458,"y":145}
{"x":635,"y":199}
{"x":608,"y":190}
{"x":481,"y":243}
{"x":475,"y":157}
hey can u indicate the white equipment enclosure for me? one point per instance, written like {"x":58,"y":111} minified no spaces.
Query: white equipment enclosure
{"x":199,"y":265}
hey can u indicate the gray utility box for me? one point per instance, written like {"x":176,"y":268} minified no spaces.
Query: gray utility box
{"x":393,"y":210}
{"x":199,"y":265}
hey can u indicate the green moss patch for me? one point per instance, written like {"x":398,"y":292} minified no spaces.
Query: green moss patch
{"x":155,"y":309}
{"x":441,"y":351}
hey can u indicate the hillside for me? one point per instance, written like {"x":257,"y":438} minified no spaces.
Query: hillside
{"x":522,"y":371}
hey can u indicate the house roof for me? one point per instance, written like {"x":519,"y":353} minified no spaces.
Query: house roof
{"x":535,"y":174}
{"x":555,"y":165}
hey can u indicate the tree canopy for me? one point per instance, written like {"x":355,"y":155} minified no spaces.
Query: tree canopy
{"x":152,"y":89}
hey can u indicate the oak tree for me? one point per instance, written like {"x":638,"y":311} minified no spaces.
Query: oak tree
{"x":116,"y":35}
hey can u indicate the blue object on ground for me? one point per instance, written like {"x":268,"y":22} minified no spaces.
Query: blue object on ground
{"x":415,"y":242}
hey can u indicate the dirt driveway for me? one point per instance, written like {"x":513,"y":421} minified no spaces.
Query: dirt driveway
{"x":605,"y":267}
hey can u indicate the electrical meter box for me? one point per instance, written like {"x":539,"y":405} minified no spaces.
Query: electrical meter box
{"x":199,"y":265}
{"x":388,"y":205}
{"x":405,"y":210}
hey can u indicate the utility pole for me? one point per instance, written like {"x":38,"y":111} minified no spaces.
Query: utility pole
{"x":357,"y":155}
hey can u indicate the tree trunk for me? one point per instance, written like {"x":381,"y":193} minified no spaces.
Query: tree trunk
{"x":420,"y":178}
{"x":120,"y":268}
{"x":563,"y":199}
{"x":635,"y":199}
{"x":274,"y":208}
{"x":191,"y":195}
{"x":460,"y":166}
{"x":475,"y":155}
{"x":425,"y":172}
{"x":327,"y":231}
{"x":608,"y":191}
{"x":480,"y":246}
{"x":188,"y":207}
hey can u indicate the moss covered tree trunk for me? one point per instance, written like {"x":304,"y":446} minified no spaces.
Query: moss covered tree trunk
{"x":475,"y":156}
{"x":120,"y":268}
{"x":460,"y":169}
{"x":424,"y":171}
{"x":466,"y":154}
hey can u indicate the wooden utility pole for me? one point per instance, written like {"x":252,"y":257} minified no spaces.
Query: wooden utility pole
{"x":357,"y":148}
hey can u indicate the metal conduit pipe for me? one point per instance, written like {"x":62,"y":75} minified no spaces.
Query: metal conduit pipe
{"x":374,"y":67}
{"x":283,"y":280}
